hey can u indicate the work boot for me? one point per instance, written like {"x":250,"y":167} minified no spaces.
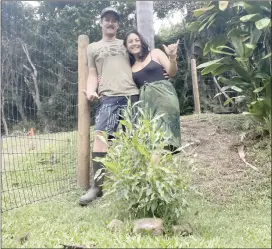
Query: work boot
{"x":96,"y":189}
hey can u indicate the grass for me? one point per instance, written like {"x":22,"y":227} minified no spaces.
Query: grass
{"x":61,"y":221}
{"x":242,"y":221}
{"x":29,"y":173}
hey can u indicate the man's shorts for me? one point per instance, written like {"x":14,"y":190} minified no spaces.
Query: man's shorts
{"x":108,"y":112}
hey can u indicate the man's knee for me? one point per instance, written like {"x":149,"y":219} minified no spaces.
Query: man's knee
{"x":100,"y":142}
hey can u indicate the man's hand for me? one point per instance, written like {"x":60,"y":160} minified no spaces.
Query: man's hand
{"x":91,"y":96}
{"x":171,"y":50}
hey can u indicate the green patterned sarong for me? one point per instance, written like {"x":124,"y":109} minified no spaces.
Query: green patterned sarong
{"x":161,"y":98}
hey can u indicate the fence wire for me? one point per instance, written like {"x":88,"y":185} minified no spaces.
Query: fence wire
{"x":38,"y":108}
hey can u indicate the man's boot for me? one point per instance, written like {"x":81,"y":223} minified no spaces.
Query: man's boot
{"x":96,"y":189}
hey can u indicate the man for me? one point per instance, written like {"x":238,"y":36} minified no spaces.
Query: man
{"x":107,"y":58}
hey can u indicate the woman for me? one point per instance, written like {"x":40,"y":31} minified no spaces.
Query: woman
{"x":148,"y":68}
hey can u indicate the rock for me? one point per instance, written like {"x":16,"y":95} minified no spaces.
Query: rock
{"x":152,"y":226}
{"x":183,"y":230}
{"x":115,"y":225}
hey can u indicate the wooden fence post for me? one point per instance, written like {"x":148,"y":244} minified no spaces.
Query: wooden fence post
{"x":83,"y":138}
{"x":195,"y":86}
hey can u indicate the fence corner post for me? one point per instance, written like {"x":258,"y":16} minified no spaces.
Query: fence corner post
{"x":83,"y":137}
{"x":195,"y":86}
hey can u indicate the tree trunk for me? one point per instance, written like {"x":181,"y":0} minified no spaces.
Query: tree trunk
{"x":144,"y":15}
{"x":3,"y":118}
{"x":21,"y":110}
{"x":34,"y":89}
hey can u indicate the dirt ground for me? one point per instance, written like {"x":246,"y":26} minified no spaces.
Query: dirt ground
{"x":211,"y":142}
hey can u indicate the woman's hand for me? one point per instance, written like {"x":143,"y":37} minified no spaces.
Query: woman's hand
{"x":171,"y":50}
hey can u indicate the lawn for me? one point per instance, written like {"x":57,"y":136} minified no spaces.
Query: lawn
{"x":230,"y":203}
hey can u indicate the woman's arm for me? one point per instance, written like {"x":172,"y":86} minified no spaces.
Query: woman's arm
{"x":169,"y":63}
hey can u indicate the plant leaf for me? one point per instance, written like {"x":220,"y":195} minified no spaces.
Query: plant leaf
{"x":223,"y":5}
{"x":237,"y":89}
{"x":259,"y":89}
{"x":263,"y":23}
{"x":210,"y":68}
{"x":255,"y":36}
{"x":225,"y":81}
{"x":217,"y":41}
{"x":267,"y":56}
{"x":201,"y":11}
{"x":227,"y":101}
{"x":236,"y":41}
{"x":209,"y":63}
{"x":194,"y":26}
{"x":220,"y":52}
{"x":221,"y":69}
{"x":251,"y":17}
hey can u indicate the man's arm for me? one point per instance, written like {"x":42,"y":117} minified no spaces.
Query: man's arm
{"x":92,"y":84}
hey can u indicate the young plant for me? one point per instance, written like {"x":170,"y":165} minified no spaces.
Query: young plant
{"x":142,"y":177}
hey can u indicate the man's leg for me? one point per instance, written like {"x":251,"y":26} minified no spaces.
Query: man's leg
{"x":106,"y":120}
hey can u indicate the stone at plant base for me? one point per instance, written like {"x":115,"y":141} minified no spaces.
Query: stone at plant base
{"x":184,"y":229}
{"x":152,"y":226}
{"x":115,"y":225}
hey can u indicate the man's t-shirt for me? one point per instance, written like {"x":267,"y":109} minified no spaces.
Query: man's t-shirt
{"x":112,"y":63}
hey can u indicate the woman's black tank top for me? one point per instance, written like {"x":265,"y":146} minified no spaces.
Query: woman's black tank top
{"x":153,"y":71}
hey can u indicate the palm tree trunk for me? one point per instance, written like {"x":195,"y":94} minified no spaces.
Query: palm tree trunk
{"x":144,"y":15}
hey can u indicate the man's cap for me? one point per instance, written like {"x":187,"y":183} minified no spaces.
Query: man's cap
{"x":110,"y":10}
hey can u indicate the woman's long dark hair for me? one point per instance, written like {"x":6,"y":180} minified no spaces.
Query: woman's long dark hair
{"x":144,"y":47}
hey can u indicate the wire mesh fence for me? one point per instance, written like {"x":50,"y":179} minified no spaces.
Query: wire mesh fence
{"x":39,"y":93}
{"x":38,"y":108}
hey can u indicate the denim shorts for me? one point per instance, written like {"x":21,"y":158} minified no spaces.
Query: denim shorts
{"x":107,"y":115}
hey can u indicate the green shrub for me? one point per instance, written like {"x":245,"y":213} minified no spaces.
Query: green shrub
{"x":142,"y":177}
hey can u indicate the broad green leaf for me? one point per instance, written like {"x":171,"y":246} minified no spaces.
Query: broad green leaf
{"x":234,"y":32}
{"x":267,"y":9}
{"x":212,"y":17}
{"x":259,"y":89}
{"x":223,"y":5}
{"x":221,"y":69}
{"x":263,"y":23}
{"x":204,"y":18}
{"x":261,"y":76}
{"x":237,"y":79}
{"x":227,"y":101}
{"x":251,"y":9}
{"x":209,"y":63}
{"x":245,"y":38}
{"x":251,"y":17}
{"x":250,"y":46}
{"x":239,"y":99}
{"x":194,"y":26}
{"x":215,"y":42}
{"x":203,"y":26}
{"x":218,"y":94}
{"x":236,"y":41}
{"x":242,"y":72}
{"x":227,"y":47}
{"x":237,"y":89}
{"x":267,"y":56}
{"x":200,"y":11}
{"x":223,"y":89}
{"x":220,"y":52}
{"x":210,"y":68}
{"x":211,"y":23}
{"x":225,"y":81}
{"x":255,"y":36}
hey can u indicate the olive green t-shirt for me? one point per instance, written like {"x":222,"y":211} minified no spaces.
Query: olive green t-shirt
{"x":112,"y":63}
